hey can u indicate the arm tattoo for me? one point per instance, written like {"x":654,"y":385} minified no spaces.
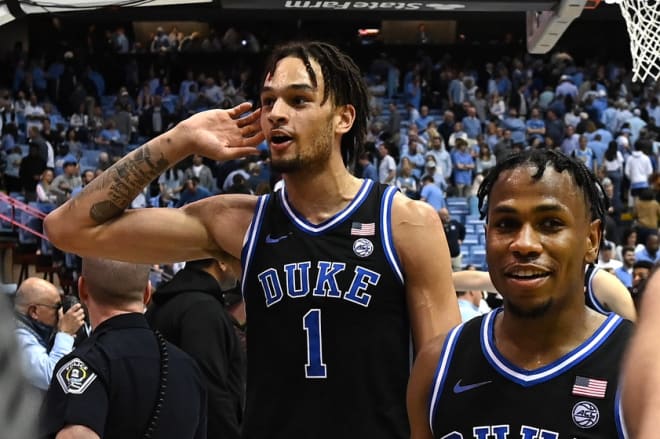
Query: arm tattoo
{"x":127,"y":178}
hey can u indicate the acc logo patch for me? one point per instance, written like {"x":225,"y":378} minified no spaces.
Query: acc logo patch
{"x":585,"y":414}
{"x":363,"y":247}
{"x":75,"y":376}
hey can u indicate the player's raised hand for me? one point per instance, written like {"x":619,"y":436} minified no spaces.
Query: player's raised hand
{"x":223,"y":134}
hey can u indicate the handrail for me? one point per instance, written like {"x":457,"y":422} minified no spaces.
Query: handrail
{"x":22,"y":206}
{"x":16,"y":204}
{"x":22,"y":226}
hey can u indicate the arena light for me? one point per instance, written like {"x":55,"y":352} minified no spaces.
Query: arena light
{"x":368,"y":32}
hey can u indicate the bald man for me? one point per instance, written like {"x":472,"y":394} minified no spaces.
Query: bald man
{"x":124,"y":381}
{"x":38,"y":306}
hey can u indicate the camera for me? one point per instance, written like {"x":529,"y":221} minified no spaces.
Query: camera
{"x":68,"y":302}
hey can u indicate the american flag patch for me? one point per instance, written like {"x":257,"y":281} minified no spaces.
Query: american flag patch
{"x":363,"y":229}
{"x":589,"y":387}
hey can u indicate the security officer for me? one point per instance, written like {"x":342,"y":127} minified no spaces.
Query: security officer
{"x":124,"y":381}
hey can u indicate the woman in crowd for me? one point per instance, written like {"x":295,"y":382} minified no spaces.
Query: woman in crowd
{"x":44,"y":193}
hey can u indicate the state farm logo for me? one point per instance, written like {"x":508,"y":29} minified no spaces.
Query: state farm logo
{"x":397,"y":6}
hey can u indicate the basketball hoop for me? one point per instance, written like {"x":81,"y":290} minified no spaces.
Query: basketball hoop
{"x":643,"y":23}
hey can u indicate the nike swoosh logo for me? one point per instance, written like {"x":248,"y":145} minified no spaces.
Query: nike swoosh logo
{"x":274,"y":240}
{"x":460,"y":389}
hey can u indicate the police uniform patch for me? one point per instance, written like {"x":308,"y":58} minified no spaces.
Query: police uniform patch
{"x":75,"y":376}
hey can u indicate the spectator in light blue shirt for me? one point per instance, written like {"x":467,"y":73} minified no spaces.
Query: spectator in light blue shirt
{"x":471,"y":123}
{"x":38,"y":307}
{"x":585,"y":154}
{"x":599,"y":147}
{"x":463,"y":167}
{"x":650,"y":251}
{"x":416,"y":159}
{"x":513,"y":123}
{"x":192,"y":192}
{"x":566,"y":87}
{"x":369,"y":170}
{"x":468,"y":304}
{"x":625,"y":272}
{"x":422,"y":121}
{"x":535,"y":126}
{"x":431,"y":193}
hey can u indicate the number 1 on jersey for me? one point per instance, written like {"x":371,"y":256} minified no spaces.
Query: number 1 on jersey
{"x":315,"y":367}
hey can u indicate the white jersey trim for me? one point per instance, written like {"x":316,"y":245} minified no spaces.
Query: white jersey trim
{"x":386,"y":231}
{"x":528,"y":378}
{"x":316,"y":229}
{"x":441,"y":371}
{"x":250,"y":239}
{"x":590,"y":291}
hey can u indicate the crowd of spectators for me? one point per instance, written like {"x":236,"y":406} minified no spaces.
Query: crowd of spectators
{"x":438,"y":128}
{"x":438,"y":125}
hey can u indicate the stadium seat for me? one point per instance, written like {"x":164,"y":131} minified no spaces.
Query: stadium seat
{"x":89,"y":159}
{"x":471,"y":240}
{"x":478,"y":258}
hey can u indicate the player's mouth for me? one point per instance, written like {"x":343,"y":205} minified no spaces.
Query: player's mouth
{"x":280,"y":139}
{"x":527,"y":274}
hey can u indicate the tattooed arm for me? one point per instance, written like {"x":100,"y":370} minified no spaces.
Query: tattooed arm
{"x":95,"y":223}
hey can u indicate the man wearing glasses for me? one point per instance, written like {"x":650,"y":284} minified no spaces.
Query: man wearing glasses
{"x":45,"y":334}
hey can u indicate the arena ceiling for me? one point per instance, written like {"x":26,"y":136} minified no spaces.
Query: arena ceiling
{"x":10,"y":9}
{"x":546,"y":19}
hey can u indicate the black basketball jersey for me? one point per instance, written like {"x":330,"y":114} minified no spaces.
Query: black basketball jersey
{"x":477,"y":393}
{"x":328,"y":335}
{"x":590,"y":298}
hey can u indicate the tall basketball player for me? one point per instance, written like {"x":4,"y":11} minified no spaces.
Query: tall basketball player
{"x":338,"y":272}
{"x":545,"y":366}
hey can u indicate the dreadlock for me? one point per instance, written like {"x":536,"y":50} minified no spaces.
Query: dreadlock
{"x":540,"y":159}
{"x":342,"y":82}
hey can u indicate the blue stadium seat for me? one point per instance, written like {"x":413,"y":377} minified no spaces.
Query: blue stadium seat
{"x":89,"y":158}
{"x":465,"y":251}
{"x":25,"y":237}
{"x":457,"y":202}
{"x":482,"y":237}
{"x":471,"y":240}
{"x":478,"y":258}
{"x":5,"y":209}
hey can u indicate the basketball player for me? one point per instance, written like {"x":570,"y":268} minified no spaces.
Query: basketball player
{"x":545,"y":365}
{"x":604,"y":292}
{"x":641,"y":375}
{"x":336,"y":270}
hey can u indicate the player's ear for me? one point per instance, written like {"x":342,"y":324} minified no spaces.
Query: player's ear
{"x":593,"y":241}
{"x":344,"y":118}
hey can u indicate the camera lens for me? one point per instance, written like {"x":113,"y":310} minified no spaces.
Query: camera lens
{"x":68,"y":302}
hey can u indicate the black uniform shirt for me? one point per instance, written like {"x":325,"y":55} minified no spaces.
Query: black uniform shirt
{"x":109,"y":384}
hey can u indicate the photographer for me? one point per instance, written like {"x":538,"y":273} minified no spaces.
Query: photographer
{"x":45,"y":332}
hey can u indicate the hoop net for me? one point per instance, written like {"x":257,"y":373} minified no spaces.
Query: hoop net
{"x":643,"y":23}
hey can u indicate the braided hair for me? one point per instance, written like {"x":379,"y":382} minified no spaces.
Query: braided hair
{"x":540,"y":159}
{"x":343,"y":83}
